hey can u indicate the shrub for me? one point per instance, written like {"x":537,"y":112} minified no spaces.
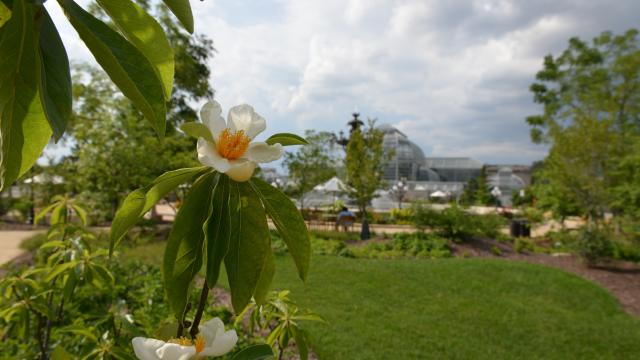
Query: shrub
{"x":33,"y":243}
{"x":425,"y":217}
{"x":628,"y":252}
{"x":496,"y":251}
{"x":521,"y":245}
{"x":336,"y":235}
{"x":457,"y":224}
{"x":488,"y":225}
{"x":402,"y":216}
{"x":415,"y":245}
{"x":594,"y":244}
{"x":326,"y":247}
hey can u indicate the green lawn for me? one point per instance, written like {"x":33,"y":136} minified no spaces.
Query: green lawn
{"x":455,"y":308}
{"x":458,"y":308}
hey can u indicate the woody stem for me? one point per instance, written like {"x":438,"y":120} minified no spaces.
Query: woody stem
{"x":203,"y":301}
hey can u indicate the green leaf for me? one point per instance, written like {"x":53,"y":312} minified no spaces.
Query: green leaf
{"x":168,"y":181}
{"x":266,"y":276}
{"x":51,"y":244}
{"x":104,"y":274}
{"x":127,"y":67}
{"x":80,"y":330}
{"x":166,"y":332}
{"x":55,"y":78}
{"x":255,"y":352}
{"x":182,"y":10}
{"x":249,"y":243}
{"x":82,"y":213}
{"x":24,"y":130}
{"x":40,"y":308}
{"x":5,"y":14}
{"x":301,"y":342}
{"x":184,"y":251}
{"x":139,"y":201}
{"x":59,"y":214}
{"x":286,"y":139}
{"x":43,"y":213}
{"x":144,"y":32}
{"x":69,"y":286}
{"x":60,"y":269}
{"x":127,"y":215}
{"x":197,"y":130}
{"x":59,"y":353}
{"x":217,"y":230}
{"x":289,"y":223}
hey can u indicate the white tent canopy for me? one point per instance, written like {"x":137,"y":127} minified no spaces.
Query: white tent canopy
{"x":44,"y":179}
{"x":332,"y":185}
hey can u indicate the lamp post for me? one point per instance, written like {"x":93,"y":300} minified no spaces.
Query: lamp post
{"x":496,"y":194}
{"x":399,"y":190}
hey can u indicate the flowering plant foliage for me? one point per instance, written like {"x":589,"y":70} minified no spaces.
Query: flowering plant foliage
{"x":223,"y":219}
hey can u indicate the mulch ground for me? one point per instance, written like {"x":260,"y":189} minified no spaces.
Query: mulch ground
{"x":621,"y":278}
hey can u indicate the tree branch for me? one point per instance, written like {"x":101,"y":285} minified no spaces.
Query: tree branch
{"x":203,"y":301}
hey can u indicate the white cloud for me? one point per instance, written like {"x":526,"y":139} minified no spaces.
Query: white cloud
{"x":452,"y":74}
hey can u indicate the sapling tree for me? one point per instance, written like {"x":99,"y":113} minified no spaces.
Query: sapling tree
{"x":311,"y":165}
{"x":365,"y":159}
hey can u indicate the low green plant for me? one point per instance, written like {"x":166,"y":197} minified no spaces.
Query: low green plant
{"x":594,"y":244}
{"x":283,"y":319}
{"x":456,"y":223}
{"x":414,"y":245}
{"x":401,"y":216}
{"x":522,"y":245}
{"x":40,"y":304}
{"x":496,"y":251}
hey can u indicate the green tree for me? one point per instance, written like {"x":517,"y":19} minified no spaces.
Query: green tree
{"x":483,"y":194}
{"x":114,"y":152}
{"x":310,"y":165}
{"x":365,"y":159}
{"x":477,"y":192}
{"x":35,"y":80}
{"x":591,"y":117}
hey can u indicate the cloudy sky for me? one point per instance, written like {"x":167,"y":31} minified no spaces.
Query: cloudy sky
{"x":453,"y":75}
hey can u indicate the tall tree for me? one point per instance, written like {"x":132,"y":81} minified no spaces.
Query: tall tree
{"x":365,"y":159}
{"x":591,"y":117}
{"x":112,"y":151}
{"x":310,"y":165}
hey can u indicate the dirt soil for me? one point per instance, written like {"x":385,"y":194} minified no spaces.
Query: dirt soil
{"x":621,"y":278}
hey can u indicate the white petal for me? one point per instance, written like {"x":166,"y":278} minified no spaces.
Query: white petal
{"x":175,"y":352}
{"x":243,"y":117}
{"x":262,"y":152}
{"x":241,"y":170}
{"x":210,"y":116}
{"x":218,"y":342}
{"x":210,"y":329}
{"x":208,"y":156}
{"x":145,"y":348}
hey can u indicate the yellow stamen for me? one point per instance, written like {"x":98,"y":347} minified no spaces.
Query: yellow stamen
{"x":199,"y":343}
{"x":181,"y":341}
{"x":232,"y":145}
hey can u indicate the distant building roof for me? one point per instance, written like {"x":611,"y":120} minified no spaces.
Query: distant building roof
{"x":386,"y":128}
{"x":453,"y":163}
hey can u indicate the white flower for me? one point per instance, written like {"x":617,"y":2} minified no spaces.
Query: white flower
{"x":232,"y":151}
{"x":212,"y":340}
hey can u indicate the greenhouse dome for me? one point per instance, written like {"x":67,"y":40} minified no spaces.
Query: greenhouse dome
{"x":408,"y":161}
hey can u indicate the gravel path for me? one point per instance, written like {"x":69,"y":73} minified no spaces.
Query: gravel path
{"x":10,"y":243}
